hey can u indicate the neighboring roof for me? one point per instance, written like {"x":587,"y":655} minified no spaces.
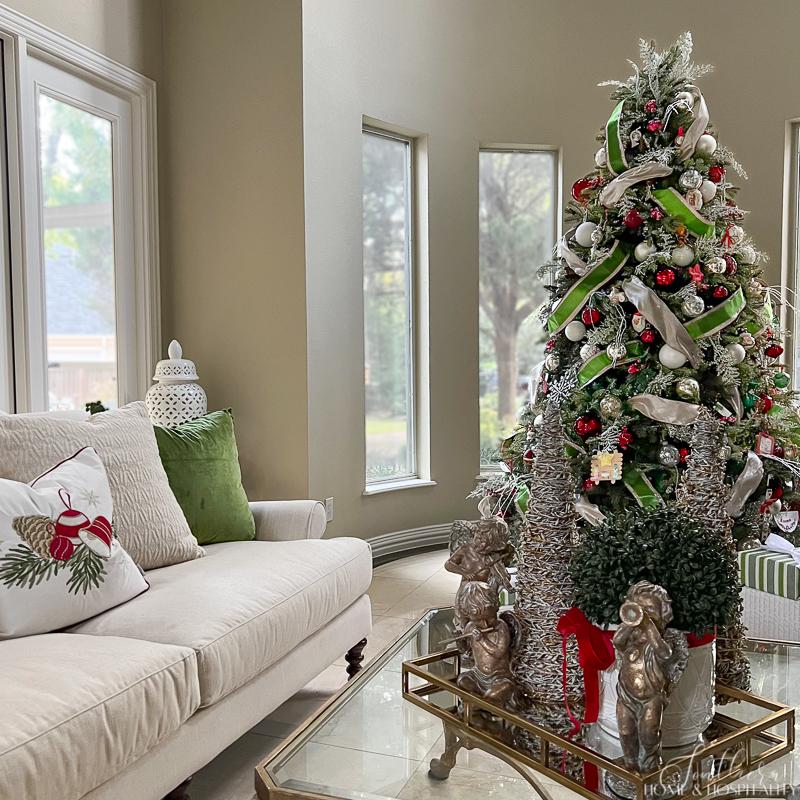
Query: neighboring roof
{"x":72,"y":308}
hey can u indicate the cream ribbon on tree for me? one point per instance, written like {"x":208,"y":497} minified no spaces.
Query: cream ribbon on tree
{"x":589,"y":511}
{"x":573,"y":260}
{"x":698,"y":126}
{"x":612,"y":192}
{"x":746,"y":484}
{"x":661,"y":409}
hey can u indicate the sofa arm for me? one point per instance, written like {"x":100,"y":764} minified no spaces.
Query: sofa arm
{"x":285,"y":520}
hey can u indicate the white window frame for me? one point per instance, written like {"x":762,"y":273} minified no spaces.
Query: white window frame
{"x":25,"y":44}
{"x":790,"y":263}
{"x":417,"y":314}
{"x":487,"y":470}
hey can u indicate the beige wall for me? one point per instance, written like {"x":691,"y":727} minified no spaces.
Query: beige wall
{"x":129,"y":31}
{"x":232,"y":264}
{"x":466,"y":72}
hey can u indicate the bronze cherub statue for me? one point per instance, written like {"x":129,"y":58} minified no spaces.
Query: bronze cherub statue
{"x":651,"y":659}
{"x":481,"y":559}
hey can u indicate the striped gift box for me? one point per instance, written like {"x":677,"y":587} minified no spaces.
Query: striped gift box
{"x":771,"y":572}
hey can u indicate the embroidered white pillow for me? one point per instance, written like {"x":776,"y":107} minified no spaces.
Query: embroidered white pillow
{"x":60,"y":562}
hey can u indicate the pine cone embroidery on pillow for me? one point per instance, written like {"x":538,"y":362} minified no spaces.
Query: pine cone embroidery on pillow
{"x":37,"y":532}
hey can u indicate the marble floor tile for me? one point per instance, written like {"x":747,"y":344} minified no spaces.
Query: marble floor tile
{"x":386,"y":591}
{"x":418,"y":568}
{"x":465,"y":783}
{"x":415,"y":604}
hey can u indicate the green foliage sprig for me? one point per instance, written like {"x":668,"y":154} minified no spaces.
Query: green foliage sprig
{"x":662,"y":546}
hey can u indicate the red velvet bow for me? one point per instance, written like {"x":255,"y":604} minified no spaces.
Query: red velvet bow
{"x":595,"y":654}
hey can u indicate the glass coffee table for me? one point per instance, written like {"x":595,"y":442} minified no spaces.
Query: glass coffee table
{"x":369,"y":743}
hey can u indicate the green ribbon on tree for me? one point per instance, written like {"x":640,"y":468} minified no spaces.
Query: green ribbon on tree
{"x":615,"y":149}
{"x":639,"y":486}
{"x":764,"y":318}
{"x":575,"y":299}
{"x":602,"y":362}
{"x":676,"y":206}
{"x":522,"y":498}
{"x":718,"y":317}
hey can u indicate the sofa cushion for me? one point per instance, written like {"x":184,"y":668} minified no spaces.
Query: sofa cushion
{"x":78,"y":709}
{"x":244,"y":606}
{"x":147,"y":518}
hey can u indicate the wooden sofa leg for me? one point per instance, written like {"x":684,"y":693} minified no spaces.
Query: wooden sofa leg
{"x":180,"y":792}
{"x":354,"y":656}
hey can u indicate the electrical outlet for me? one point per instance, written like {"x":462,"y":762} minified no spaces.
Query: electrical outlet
{"x":329,"y":509}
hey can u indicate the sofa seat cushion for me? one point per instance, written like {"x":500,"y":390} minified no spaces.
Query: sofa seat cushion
{"x":76,"y":710}
{"x":245,"y":605}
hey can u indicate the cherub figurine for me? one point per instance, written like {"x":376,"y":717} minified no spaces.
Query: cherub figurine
{"x":490,"y":640}
{"x":650,"y":660}
{"x":482,"y":560}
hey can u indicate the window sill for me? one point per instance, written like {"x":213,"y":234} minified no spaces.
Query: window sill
{"x":396,"y":486}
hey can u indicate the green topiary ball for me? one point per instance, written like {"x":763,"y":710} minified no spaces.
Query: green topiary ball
{"x":663,"y":546}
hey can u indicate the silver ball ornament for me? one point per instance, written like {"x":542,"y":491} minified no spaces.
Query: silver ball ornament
{"x":716,"y":265}
{"x":706,"y":145}
{"x":552,"y":362}
{"x":690,"y":179}
{"x":597,"y":235}
{"x":671,"y":358}
{"x":575,"y":330}
{"x":736,"y":352}
{"x":747,"y":254}
{"x":682,"y":255}
{"x":693,"y":305}
{"x":748,"y":340}
{"x":687,"y":389}
{"x":589,"y":351}
{"x":616,"y":351}
{"x":708,"y":190}
{"x":669,"y":456}
{"x":610,"y":406}
{"x":600,"y":157}
{"x":643,"y":251}
{"x":583,"y":233}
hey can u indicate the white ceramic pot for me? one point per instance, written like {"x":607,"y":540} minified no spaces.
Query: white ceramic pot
{"x":691,"y":705}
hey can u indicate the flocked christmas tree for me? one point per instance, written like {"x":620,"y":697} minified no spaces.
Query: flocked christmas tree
{"x":544,"y":589}
{"x":659,"y":308}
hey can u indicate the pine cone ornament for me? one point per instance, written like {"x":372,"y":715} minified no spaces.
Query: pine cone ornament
{"x":37,"y":532}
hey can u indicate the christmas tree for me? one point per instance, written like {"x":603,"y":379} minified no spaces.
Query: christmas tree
{"x":658,"y":307}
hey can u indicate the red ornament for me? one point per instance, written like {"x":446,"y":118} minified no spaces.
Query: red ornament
{"x":716,"y":173}
{"x":633,"y":219}
{"x":550,"y":344}
{"x":588,"y":485}
{"x":696,"y":274}
{"x":777,"y":491}
{"x":765,"y":404}
{"x":773,"y":351}
{"x":654,"y":126}
{"x":730,"y":264}
{"x":528,"y":456}
{"x":651,"y":107}
{"x":587,"y":426}
{"x":656,"y":213}
{"x":581,"y":187}
{"x":665,"y":277}
{"x":648,"y":336}
{"x":778,"y":451}
{"x":625,"y":438}
{"x":590,"y":316}
{"x":634,"y":368}
{"x":70,"y":522}
{"x":61,"y":548}
{"x":684,"y":454}
{"x":720,"y":293}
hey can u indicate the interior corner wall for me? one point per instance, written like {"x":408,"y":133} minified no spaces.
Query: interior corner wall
{"x":231,"y":195}
{"x":466,"y":72}
{"x":129,"y":31}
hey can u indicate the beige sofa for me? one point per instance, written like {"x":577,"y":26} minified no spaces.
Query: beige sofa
{"x":131,"y":703}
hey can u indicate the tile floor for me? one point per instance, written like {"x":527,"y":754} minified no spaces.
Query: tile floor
{"x":400,"y":592}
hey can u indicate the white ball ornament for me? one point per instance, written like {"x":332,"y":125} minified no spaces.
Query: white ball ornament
{"x":589,"y":351}
{"x":575,"y":331}
{"x":682,"y":255}
{"x":775,"y":506}
{"x":538,"y":421}
{"x":583,"y":233}
{"x":643,"y":251}
{"x":736,"y":352}
{"x":747,"y":254}
{"x":615,"y":351}
{"x":716,"y":265}
{"x":600,"y":157}
{"x":706,"y":145}
{"x":695,"y":199}
{"x":708,"y":190}
{"x":736,"y":233}
{"x":671,"y":358}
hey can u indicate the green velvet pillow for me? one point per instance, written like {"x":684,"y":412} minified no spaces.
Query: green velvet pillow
{"x":202,"y":464}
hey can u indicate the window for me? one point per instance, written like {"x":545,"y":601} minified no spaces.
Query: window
{"x":518,"y":224}
{"x":79,"y":281}
{"x":793,"y":248}
{"x":387,"y":198}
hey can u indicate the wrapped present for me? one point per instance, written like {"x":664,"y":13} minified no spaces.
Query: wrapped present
{"x":769,"y":571}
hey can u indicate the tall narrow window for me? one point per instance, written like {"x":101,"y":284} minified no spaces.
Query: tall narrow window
{"x":517,"y":226}
{"x":794,"y":249}
{"x":388,"y":306}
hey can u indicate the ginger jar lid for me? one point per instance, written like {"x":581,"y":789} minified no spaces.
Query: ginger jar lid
{"x":176,"y":368}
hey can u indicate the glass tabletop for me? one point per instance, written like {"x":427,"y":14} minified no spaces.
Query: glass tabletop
{"x":369,"y":743}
